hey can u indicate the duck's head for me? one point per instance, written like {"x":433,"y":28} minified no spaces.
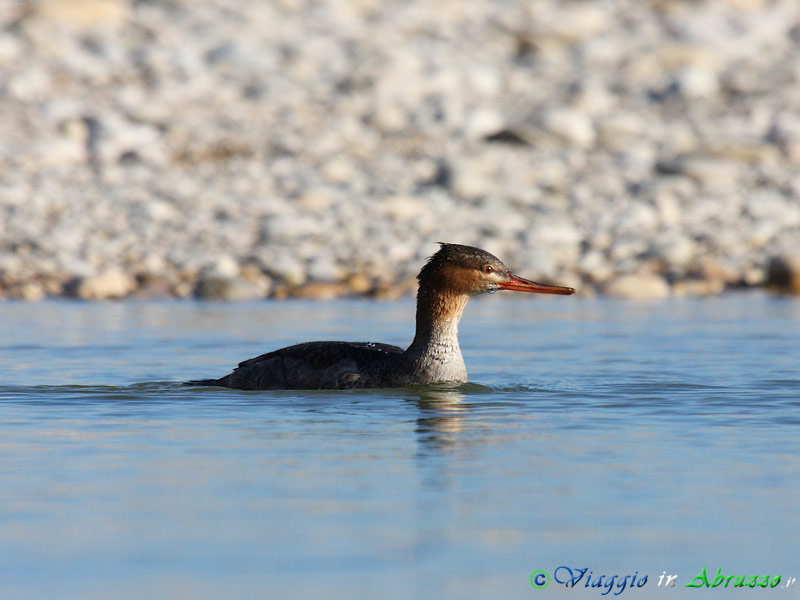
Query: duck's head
{"x":472,"y":271}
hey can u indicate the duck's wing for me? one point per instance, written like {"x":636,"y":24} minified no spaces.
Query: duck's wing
{"x":313,"y":365}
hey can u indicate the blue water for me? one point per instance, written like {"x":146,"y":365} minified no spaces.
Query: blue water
{"x":626,"y":438}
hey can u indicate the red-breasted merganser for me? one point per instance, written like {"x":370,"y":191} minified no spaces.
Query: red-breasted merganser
{"x":446,"y":283}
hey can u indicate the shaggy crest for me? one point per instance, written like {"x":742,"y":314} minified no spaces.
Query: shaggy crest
{"x":467,"y":256}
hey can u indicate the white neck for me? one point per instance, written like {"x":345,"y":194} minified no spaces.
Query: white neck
{"x":435,"y":352}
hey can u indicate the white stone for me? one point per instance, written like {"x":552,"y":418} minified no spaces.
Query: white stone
{"x":571,"y":125}
{"x":697,"y":82}
{"x":110,"y":283}
{"x":673,"y":248}
{"x":637,"y":287}
{"x":83,"y":14}
{"x":483,"y":122}
{"x":617,"y":132}
{"x":225,"y":266}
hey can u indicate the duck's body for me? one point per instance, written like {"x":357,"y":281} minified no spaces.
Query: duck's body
{"x":446,"y":283}
{"x":318,"y":365}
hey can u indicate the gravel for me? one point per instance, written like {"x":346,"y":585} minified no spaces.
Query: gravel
{"x":166,"y":148}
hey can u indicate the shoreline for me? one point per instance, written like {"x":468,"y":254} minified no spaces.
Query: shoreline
{"x":105,"y":287}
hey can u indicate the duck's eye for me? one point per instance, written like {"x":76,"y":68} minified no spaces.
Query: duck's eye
{"x":488,"y":269}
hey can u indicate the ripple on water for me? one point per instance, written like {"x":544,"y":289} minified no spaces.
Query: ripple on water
{"x":646,"y":432}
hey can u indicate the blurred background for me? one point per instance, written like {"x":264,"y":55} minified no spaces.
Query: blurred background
{"x":245,"y":149}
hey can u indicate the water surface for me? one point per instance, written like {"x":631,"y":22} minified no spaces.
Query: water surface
{"x":626,"y":438}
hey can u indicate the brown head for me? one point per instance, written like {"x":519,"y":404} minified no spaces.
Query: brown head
{"x":472,"y":271}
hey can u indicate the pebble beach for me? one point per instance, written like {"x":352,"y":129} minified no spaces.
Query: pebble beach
{"x":250,"y":149}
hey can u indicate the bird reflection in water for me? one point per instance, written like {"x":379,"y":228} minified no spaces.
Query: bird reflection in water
{"x":442,"y":418}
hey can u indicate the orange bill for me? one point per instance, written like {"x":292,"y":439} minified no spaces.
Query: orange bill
{"x":518,"y":284}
